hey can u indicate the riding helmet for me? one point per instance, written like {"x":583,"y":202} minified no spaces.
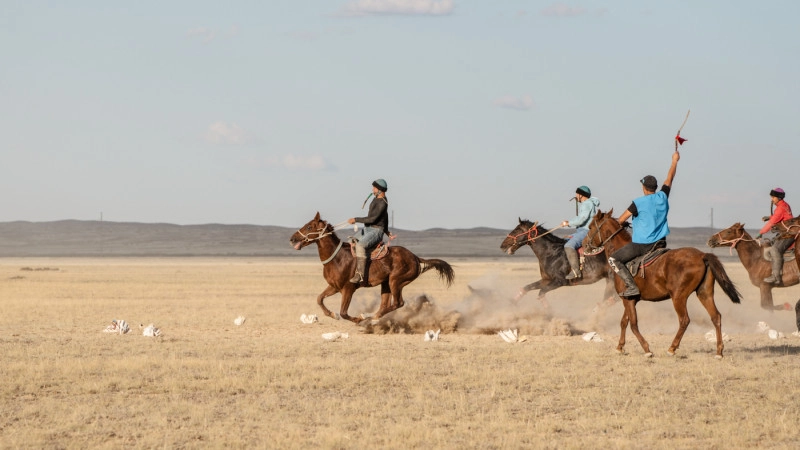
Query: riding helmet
{"x":380,"y":183}
{"x":777,"y":192}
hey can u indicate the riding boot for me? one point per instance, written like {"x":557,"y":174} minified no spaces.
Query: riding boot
{"x":358,"y":277}
{"x":631,"y":290}
{"x":574,"y":263}
{"x":777,"y":267}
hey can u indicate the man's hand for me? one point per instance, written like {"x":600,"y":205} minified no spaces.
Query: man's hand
{"x":765,"y":218}
{"x":351,"y":220}
{"x":758,"y":236}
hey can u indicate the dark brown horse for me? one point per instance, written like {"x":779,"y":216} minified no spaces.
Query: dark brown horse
{"x":393,"y":272}
{"x":675,"y":274}
{"x":553,"y":264}
{"x":751,"y":253}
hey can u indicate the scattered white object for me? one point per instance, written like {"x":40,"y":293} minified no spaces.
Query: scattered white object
{"x":511,"y":336}
{"x":150,"y":330}
{"x":775,"y":334}
{"x":309,"y":318}
{"x":592,"y":337}
{"x":431,"y":335}
{"x":117,"y":326}
{"x":711,"y":336}
{"x":334,"y":336}
{"x":796,"y":333}
{"x":239,"y":320}
{"x":763,"y":327}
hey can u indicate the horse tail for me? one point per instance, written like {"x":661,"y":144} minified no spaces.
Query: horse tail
{"x":722,"y":277}
{"x":446,"y":272}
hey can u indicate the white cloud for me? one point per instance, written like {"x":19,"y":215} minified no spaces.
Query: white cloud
{"x":562,"y":10}
{"x":312,"y":163}
{"x":523,"y":103}
{"x":225,"y":133}
{"x":399,"y":7}
{"x":206,"y":35}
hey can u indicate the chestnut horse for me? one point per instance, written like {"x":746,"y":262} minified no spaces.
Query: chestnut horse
{"x":675,"y":274}
{"x":553,"y":264}
{"x":752,"y":256}
{"x":393,"y":272}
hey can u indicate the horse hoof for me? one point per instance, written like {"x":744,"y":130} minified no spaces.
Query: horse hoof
{"x":717,"y":356}
{"x":669,"y":353}
{"x":648,"y":355}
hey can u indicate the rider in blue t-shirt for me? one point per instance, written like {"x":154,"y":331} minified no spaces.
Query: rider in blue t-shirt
{"x":650,"y":228}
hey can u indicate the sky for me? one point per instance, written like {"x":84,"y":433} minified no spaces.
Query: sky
{"x":475,"y":112}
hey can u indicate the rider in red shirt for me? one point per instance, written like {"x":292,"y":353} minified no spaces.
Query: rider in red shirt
{"x":782,"y":212}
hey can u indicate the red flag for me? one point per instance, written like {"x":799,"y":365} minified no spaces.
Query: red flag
{"x":680,"y":139}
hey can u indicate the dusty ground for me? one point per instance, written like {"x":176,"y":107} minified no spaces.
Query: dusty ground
{"x":274,"y":382}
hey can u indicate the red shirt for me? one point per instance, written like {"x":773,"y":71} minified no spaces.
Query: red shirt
{"x":782,"y":212}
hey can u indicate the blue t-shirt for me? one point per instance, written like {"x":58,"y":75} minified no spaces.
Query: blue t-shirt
{"x":650,"y":221}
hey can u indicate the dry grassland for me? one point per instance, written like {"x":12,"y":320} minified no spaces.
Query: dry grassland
{"x":274,"y":383}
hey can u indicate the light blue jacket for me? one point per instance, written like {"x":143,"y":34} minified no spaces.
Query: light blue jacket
{"x":586,"y":210}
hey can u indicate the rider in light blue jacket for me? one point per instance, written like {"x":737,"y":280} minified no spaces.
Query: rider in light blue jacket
{"x":587,"y":208}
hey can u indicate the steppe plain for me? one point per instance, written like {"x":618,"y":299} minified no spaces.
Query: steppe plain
{"x":273,"y":382}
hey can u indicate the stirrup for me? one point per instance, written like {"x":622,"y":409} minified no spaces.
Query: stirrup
{"x":572,"y":275}
{"x":357,"y":278}
{"x":772,"y":279}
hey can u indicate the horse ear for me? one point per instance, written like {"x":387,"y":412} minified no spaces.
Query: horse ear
{"x":611,"y":212}
{"x":317,"y":216}
{"x":520,"y":219}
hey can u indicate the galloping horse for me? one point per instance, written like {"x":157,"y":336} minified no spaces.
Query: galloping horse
{"x":553,"y":264}
{"x":393,"y":272}
{"x":675,"y":274}
{"x":751,"y":255}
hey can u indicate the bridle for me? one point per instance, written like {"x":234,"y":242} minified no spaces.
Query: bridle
{"x":321,"y":233}
{"x":733,"y":242}
{"x":531,"y":235}
{"x":590,"y":248}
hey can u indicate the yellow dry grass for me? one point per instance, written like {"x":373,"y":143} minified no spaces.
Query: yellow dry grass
{"x":274,"y":383}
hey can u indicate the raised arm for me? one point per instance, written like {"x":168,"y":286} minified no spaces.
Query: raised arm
{"x":672,"y":168}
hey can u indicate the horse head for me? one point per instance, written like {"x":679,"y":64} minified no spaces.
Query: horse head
{"x":602,"y":229}
{"x":313,"y":231}
{"x":788,"y":229}
{"x":729,"y":237}
{"x":523,"y":233}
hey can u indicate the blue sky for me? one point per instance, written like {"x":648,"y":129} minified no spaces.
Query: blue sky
{"x":475,"y":112}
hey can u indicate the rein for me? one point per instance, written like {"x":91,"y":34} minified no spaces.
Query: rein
{"x":321,"y":233}
{"x":533,"y":229}
{"x":595,"y":250}
{"x":788,"y":228}
{"x":733,"y":242}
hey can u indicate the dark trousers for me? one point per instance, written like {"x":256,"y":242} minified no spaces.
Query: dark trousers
{"x":633,"y":250}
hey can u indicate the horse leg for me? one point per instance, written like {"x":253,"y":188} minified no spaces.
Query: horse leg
{"x":706,"y":295}
{"x":386,"y":300}
{"x":347,"y":296}
{"x":766,"y":297}
{"x":623,"y":325}
{"x":630,"y":306}
{"x":679,"y":302}
{"x":330,"y":290}
{"x":527,"y":288}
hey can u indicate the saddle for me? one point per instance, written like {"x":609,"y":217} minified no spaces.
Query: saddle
{"x":376,"y":252}
{"x":637,"y":265}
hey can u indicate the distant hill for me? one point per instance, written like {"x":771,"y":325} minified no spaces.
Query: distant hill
{"x":96,"y":238}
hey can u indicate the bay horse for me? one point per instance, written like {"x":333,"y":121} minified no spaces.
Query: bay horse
{"x":751,"y":254}
{"x":553,"y":263}
{"x":675,"y":274}
{"x":392,"y":272}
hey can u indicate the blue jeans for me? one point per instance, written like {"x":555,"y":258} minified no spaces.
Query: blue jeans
{"x":576,"y":241}
{"x":368,"y":237}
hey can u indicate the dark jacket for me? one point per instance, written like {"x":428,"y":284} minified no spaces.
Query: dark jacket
{"x":378,"y":215}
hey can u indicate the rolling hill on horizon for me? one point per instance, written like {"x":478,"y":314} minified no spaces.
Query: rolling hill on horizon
{"x":128,"y":239}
